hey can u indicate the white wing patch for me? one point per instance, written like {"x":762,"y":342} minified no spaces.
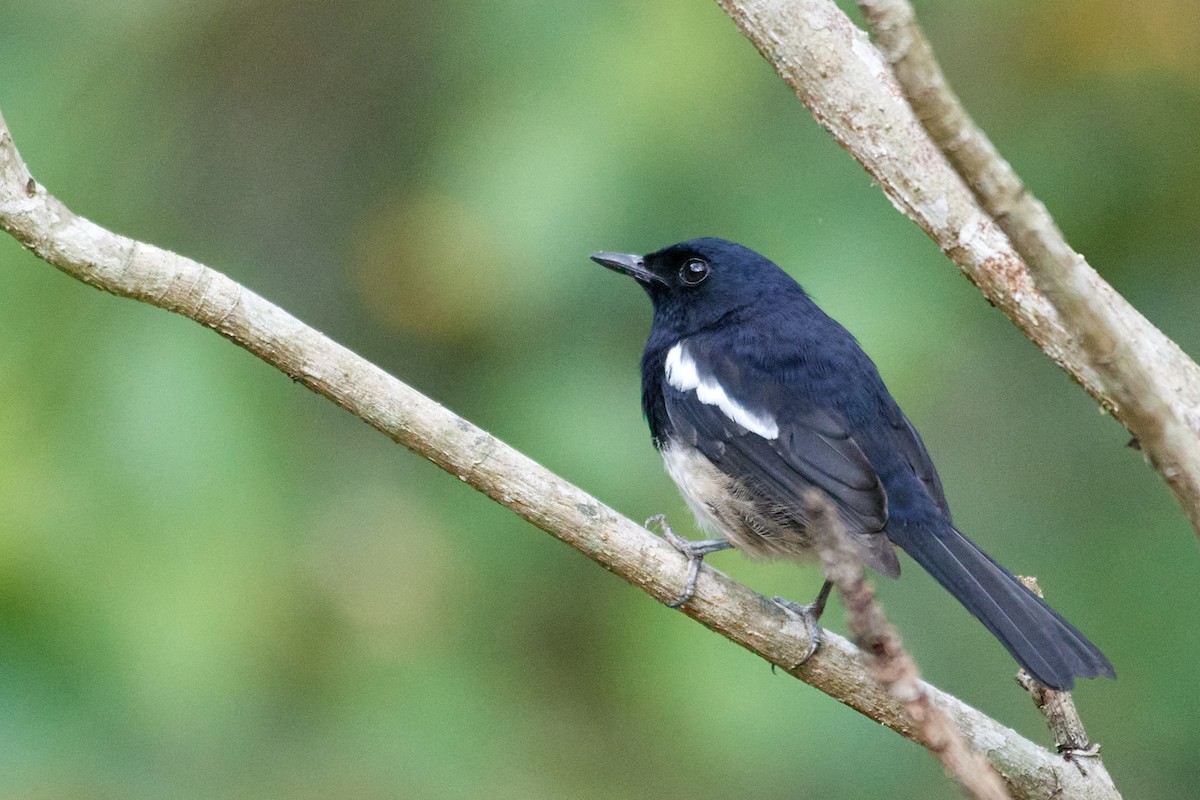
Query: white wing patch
{"x":683,"y":375}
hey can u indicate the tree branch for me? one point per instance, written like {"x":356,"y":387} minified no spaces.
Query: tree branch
{"x":1058,"y":708}
{"x":888,"y":661}
{"x":128,"y":268}
{"x":1139,"y":380}
{"x":1139,"y":375}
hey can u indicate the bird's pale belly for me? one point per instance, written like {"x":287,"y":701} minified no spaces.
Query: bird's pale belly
{"x":725,"y":508}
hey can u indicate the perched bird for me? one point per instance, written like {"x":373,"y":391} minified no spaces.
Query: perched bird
{"x":754,"y":397}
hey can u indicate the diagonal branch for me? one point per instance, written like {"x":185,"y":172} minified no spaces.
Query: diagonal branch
{"x":888,"y":661}
{"x":1136,"y":373}
{"x":1058,"y":708}
{"x":128,"y":268}
{"x":1138,"y":381}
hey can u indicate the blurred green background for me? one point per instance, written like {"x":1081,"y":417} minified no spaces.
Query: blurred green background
{"x":214,"y":584}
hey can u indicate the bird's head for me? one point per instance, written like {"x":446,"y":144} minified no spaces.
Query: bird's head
{"x":697,"y":283}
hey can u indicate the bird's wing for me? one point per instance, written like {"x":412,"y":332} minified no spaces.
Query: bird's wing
{"x":917,"y":456}
{"x":756,"y":431}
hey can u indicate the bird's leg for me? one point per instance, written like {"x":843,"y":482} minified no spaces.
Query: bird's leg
{"x":693,"y":551}
{"x":811,"y":614}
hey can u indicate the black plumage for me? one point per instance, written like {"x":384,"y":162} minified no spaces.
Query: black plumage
{"x":755,"y":396}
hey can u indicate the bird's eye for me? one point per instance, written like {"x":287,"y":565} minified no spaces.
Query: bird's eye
{"x":693,"y":271}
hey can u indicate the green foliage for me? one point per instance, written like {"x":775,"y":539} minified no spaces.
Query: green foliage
{"x":215,"y":585}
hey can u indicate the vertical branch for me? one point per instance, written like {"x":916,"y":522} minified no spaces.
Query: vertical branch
{"x":887,"y":660}
{"x":1059,"y":710}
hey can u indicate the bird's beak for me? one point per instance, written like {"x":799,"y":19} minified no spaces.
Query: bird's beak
{"x":629,"y":264}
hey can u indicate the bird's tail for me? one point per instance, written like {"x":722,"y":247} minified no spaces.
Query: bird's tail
{"x":1045,"y":644}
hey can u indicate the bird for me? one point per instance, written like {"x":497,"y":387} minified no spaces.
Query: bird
{"x":755,"y":397}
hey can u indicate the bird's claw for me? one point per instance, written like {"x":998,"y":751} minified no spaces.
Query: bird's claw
{"x":809,"y":613}
{"x":689,"y":583}
{"x":694,"y":552}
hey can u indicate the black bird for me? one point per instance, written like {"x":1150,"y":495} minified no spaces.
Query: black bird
{"x":755,"y":396}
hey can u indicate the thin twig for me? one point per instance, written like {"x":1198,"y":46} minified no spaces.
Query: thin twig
{"x":150,"y":274}
{"x":1079,"y":321}
{"x":1058,"y":708}
{"x":888,"y":661}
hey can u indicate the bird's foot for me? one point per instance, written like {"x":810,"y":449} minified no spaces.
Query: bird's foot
{"x":810,"y":614}
{"x":806,"y":615}
{"x":694,"y":552}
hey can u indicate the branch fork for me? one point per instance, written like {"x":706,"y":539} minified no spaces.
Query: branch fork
{"x":976,"y":218}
